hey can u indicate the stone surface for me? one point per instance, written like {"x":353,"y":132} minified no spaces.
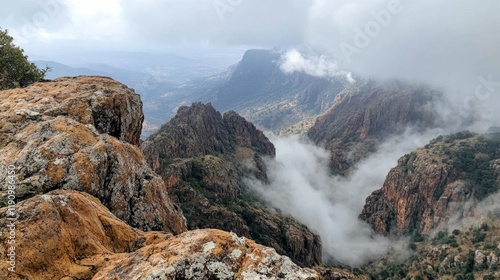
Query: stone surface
{"x":107,"y":105}
{"x":73,"y":142}
{"x":203,"y":254}
{"x":57,"y":230}
{"x":71,"y":235}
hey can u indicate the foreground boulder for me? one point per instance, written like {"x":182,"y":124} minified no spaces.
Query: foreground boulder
{"x":55,"y":231}
{"x":82,"y":134}
{"x":71,"y":235}
{"x":203,"y":254}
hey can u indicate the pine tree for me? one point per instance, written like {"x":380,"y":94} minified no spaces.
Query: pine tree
{"x":15,"y":69}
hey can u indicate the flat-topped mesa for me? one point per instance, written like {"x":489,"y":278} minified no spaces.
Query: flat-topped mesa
{"x":82,"y":133}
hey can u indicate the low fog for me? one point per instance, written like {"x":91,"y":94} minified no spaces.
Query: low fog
{"x":472,"y":214}
{"x":301,"y":186}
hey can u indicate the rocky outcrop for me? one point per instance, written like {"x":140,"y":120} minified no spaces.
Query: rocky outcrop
{"x":204,"y":254}
{"x":434,"y":184}
{"x":72,"y":133}
{"x":367,"y":112}
{"x":203,"y":157}
{"x":107,"y":105}
{"x":55,"y":231}
{"x":71,"y":235}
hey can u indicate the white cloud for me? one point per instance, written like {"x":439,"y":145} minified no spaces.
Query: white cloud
{"x":314,"y":65}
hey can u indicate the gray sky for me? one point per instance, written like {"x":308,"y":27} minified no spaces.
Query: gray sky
{"x":452,"y":43}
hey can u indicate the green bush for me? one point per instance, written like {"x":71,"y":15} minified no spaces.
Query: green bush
{"x":15,"y":69}
{"x":440,"y":235}
{"x":417,"y":237}
{"x":484,"y":227}
{"x":478,"y":236}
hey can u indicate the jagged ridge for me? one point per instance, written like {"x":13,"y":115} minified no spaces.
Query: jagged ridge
{"x":203,"y":156}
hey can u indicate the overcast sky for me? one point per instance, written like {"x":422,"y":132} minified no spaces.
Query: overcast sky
{"x":450,"y":42}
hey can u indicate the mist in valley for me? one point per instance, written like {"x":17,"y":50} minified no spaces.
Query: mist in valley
{"x":302,"y":186}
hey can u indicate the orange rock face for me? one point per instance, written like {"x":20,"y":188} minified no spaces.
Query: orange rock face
{"x":56,"y":137}
{"x":110,"y":107}
{"x":408,"y":201}
{"x":55,"y":231}
{"x":441,"y":182}
{"x":85,"y":195}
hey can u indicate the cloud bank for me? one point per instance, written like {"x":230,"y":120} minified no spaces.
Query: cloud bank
{"x":453,"y":44}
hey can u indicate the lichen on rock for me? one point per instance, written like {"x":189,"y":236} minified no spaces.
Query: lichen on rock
{"x":67,"y":145}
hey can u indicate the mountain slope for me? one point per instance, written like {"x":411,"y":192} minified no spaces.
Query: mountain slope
{"x":366,"y":113}
{"x":260,"y":91}
{"x":203,"y":157}
{"x":443,"y":181}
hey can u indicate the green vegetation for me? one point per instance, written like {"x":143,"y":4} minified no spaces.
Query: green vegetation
{"x":4,"y":202}
{"x":473,"y":161}
{"x":471,"y":156}
{"x":15,"y":69}
{"x":444,"y":256}
{"x":442,"y":237}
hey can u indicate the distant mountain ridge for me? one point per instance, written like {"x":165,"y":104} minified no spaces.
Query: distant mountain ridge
{"x":368,"y":112}
{"x":260,"y":91}
{"x":59,"y":70}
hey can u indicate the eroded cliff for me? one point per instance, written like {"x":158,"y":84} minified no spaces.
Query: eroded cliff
{"x":367,"y":112}
{"x":81,"y":134}
{"x":203,"y":157}
{"x":444,"y":180}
